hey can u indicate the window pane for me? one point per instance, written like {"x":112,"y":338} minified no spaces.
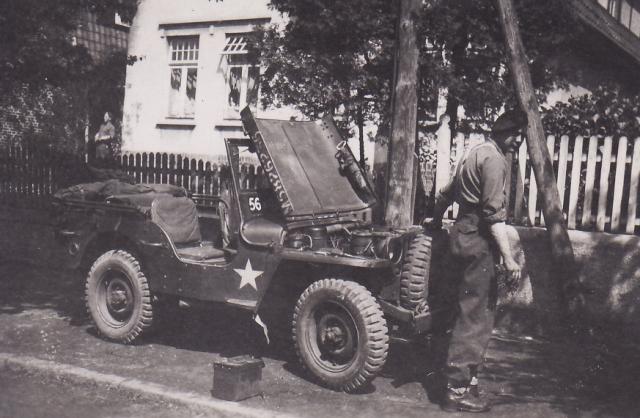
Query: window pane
{"x":176,"y":78}
{"x":184,"y":48}
{"x":174,"y":94}
{"x":192,"y":79}
{"x":235,"y":75}
{"x":236,"y":43}
{"x":253,"y":84}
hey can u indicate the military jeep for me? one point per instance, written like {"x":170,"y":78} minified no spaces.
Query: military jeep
{"x":309,"y":204}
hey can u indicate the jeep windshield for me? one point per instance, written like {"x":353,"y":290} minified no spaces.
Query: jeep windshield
{"x":255,"y":194}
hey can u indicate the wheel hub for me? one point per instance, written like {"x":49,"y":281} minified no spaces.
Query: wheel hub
{"x":336,"y":337}
{"x":333,"y":336}
{"x":119,"y":297}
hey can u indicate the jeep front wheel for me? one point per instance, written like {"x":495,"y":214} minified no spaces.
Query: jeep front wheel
{"x":118,"y":297}
{"x":340,"y":334}
{"x":414,"y":277}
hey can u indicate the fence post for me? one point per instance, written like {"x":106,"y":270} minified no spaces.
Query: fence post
{"x":633,"y":187}
{"x":618,"y":185}
{"x":601,"y":218}
{"x":563,"y":159}
{"x":459,"y":147}
{"x":443,"y":153}
{"x":587,"y":216}
{"x":551,"y":144}
{"x":520,"y":178}
{"x":576,"y":166}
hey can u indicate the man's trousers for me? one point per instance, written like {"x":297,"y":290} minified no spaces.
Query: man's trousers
{"x":467,"y":299}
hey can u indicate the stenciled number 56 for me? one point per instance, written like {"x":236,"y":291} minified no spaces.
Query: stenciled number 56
{"x":254,"y":204}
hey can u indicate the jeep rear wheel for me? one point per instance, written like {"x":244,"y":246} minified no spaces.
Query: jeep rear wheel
{"x":340,"y":334}
{"x":118,"y":297}
{"x":414,"y":276}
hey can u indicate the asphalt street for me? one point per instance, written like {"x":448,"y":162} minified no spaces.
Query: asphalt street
{"x":42,"y":316}
{"x":39,"y":395}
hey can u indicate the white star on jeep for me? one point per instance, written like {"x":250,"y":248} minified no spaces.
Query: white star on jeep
{"x":248,"y":275}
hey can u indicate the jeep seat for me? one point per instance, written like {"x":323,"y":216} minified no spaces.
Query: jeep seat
{"x":178,"y":217}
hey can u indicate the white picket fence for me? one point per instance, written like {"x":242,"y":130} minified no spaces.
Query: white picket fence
{"x":597,"y":179}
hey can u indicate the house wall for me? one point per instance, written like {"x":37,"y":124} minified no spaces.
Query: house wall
{"x":146,"y":125}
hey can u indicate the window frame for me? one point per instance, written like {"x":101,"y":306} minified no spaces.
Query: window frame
{"x":180,"y":106}
{"x":236,"y":55}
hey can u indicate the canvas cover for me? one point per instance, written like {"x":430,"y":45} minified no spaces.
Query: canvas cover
{"x":178,"y":216}
{"x":299,"y":158}
{"x":121,"y":192}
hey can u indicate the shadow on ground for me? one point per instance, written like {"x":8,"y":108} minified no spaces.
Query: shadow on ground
{"x":574,"y":375}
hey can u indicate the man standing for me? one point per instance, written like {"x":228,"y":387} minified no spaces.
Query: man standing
{"x":477,"y":237}
{"x":104,"y":140}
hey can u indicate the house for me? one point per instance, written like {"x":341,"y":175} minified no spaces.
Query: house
{"x":609,"y":50}
{"x":101,"y":36}
{"x":192,"y":76}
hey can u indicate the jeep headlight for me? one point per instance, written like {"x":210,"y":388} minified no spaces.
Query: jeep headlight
{"x":390,"y":249}
{"x":395,"y":251}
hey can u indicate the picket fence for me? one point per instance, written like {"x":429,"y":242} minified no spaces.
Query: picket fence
{"x":597,"y":180}
{"x":29,"y":175}
{"x":200,"y":176}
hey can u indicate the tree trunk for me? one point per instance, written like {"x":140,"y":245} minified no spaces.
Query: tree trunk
{"x":561,"y":249}
{"x":401,"y":166}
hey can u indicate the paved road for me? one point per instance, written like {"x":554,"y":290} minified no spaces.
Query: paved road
{"x":42,"y":316}
{"x":36,"y":395}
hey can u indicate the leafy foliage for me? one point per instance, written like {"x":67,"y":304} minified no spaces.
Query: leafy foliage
{"x":37,"y":39}
{"x":474,"y":69}
{"x":338,"y":56}
{"x":606,"y":111}
{"x":330,"y":57}
{"x":52,"y":83}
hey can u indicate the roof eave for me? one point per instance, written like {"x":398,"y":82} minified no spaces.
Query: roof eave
{"x":598,"y":18}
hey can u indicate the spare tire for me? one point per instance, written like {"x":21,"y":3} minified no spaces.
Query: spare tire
{"x":414,"y":275}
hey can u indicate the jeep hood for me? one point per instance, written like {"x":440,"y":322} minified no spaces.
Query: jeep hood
{"x":299,"y":158}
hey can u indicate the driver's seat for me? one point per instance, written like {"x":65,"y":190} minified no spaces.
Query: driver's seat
{"x":178,"y":217}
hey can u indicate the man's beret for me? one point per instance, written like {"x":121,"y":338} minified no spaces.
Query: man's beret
{"x":510,"y":121}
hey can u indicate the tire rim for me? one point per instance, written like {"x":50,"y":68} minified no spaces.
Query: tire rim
{"x":115,"y":298}
{"x":332,"y":336}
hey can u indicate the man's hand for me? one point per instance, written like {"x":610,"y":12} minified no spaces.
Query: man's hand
{"x":513,"y":272}
{"x":435,"y":224}
{"x":513,"y":269}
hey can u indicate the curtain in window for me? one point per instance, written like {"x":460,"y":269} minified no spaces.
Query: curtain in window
{"x":235,"y":77}
{"x":253,"y":86}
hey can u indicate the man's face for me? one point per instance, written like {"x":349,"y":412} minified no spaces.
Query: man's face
{"x":512,"y":142}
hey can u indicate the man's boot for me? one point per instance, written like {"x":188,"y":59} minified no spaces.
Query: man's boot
{"x":461,"y":399}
